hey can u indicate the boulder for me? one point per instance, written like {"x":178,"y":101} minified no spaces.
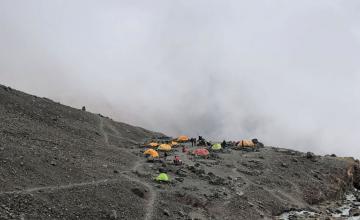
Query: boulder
{"x":311,"y":156}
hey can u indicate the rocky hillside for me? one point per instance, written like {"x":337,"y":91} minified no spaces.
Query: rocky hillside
{"x":57,"y":162}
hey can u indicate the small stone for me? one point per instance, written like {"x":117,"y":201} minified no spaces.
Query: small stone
{"x":240,"y":193}
{"x":138,"y":192}
{"x":357,"y":203}
{"x":181,"y":173}
{"x":179,"y":179}
{"x":116,"y":171}
{"x":53,"y":163}
{"x":162,"y":170}
{"x":113,"y":214}
{"x":181,"y":213}
{"x":310,"y":156}
{"x":166,"y":212}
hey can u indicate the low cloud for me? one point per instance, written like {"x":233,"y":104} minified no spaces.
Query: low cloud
{"x":285,"y":72}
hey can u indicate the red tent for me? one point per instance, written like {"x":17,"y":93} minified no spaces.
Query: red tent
{"x":201,"y":152}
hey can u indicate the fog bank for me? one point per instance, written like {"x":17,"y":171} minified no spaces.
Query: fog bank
{"x":285,"y":72}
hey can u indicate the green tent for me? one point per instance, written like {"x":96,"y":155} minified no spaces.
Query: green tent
{"x":162,"y":177}
{"x":216,"y":147}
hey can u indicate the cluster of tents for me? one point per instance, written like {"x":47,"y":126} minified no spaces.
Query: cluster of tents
{"x":160,"y":147}
{"x":153,"y":148}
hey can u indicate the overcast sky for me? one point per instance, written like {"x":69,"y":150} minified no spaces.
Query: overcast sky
{"x":286,"y":72}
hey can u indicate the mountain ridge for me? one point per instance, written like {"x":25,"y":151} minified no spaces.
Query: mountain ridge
{"x":64,"y":163}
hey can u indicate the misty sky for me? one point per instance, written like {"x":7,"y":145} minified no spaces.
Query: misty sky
{"x":286,"y":72}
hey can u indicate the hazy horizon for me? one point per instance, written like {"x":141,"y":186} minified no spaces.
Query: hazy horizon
{"x":287,"y":72}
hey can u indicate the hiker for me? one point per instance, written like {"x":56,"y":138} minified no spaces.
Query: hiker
{"x":177,"y":161}
{"x":83,"y":108}
{"x":193,"y":142}
{"x":223,"y":144}
{"x":184,"y":149}
{"x":257,"y":143}
{"x":201,"y":141}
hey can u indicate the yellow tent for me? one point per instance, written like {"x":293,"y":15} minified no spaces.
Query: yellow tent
{"x":163,"y":177}
{"x":246,"y":143}
{"x":183,"y":138}
{"x":153,"y":144}
{"x":164,"y":147}
{"x":174,"y":143}
{"x":216,"y":147}
{"x":152,"y":153}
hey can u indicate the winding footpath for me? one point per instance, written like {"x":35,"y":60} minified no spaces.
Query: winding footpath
{"x":125,"y":174}
{"x":151,"y":201}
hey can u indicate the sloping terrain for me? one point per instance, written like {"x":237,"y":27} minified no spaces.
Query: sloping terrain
{"x":57,"y":162}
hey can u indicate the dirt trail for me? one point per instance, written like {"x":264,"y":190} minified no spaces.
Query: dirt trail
{"x":116,"y":133}
{"x":151,"y":202}
{"x":59,"y":187}
{"x":125,"y":174}
{"x":243,"y":177}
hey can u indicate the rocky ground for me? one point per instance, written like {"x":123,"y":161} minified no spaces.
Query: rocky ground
{"x":57,"y":162}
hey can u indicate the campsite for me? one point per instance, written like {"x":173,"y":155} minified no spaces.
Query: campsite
{"x":60,"y":162}
{"x":179,"y":110}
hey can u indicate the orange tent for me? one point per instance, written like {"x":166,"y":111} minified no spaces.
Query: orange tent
{"x":164,"y":147}
{"x":183,"y":138}
{"x":174,"y":143}
{"x":153,"y":144}
{"x":246,"y":143}
{"x":151,"y":152}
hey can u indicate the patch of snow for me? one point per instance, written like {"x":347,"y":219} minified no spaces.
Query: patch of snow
{"x":286,"y":215}
{"x":350,"y":197}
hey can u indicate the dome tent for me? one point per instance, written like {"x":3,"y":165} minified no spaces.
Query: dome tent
{"x":201,"y":152}
{"x":163,"y":177}
{"x":153,"y":144}
{"x":246,"y":143}
{"x":151,"y":152}
{"x":183,"y":138}
{"x":216,"y":147}
{"x":164,"y":147}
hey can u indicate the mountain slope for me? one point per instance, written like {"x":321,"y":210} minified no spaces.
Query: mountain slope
{"x":57,"y":162}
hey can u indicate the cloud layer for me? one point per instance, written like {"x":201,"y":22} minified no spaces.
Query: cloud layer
{"x":285,"y":72}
